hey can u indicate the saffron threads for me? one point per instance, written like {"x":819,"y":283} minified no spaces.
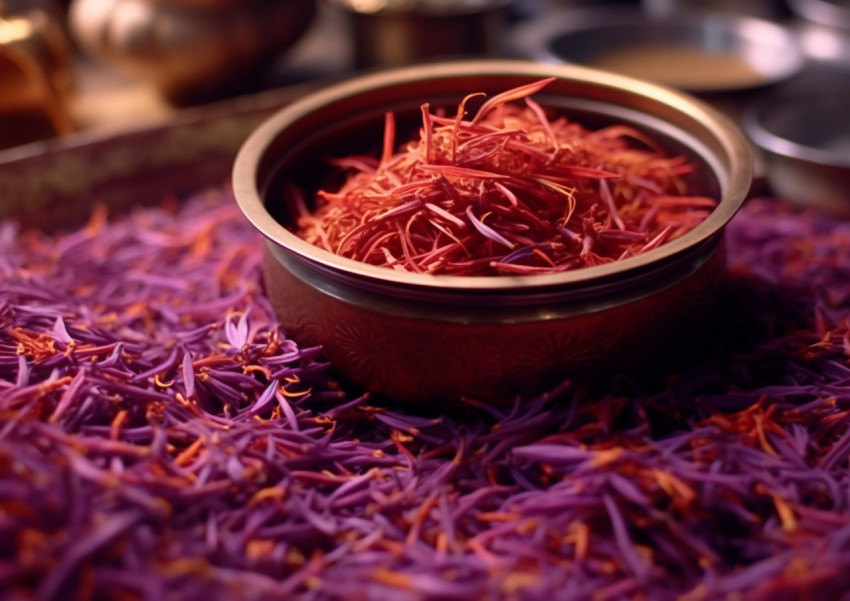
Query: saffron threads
{"x":507,"y":191}
{"x":160,"y":437}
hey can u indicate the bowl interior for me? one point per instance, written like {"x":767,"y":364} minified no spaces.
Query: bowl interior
{"x":700,"y":52}
{"x":294,"y":146}
{"x":307,"y":164}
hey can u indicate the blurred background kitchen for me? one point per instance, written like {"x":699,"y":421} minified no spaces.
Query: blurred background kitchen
{"x":72,"y":67}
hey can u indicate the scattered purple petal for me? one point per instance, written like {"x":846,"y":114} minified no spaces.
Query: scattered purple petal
{"x":161,"y":436}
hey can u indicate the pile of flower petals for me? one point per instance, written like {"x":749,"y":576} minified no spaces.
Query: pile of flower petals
{"x":160,"y":437}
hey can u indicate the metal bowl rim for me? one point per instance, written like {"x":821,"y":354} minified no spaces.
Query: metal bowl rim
{"x":249,"y":197}
{"x":776,"y":144}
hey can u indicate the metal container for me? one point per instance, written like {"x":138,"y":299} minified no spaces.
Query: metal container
{"x":690,"y":50}
{"x":804,"y":139}
{"x":417,"y":337}
{"x":832,"y":13}
{"x":395,"y":33}
{"x":191,"y":50}
{"x":768,"y":9}
{"x":825,"y":47}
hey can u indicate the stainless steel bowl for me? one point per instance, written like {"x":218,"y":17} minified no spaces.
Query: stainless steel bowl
{"x":417,"y":337}
{"x":825,"y":46}
{"x":693,"y":51}
{"x":832,"y":13}
{"x":804,"y":139}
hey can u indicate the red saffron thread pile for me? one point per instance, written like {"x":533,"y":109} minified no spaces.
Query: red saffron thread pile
{"x":507,"y":191}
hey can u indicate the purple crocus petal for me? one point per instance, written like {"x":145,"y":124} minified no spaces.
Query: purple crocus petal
{"x":188,"y":374}
{"x":618,"y":524}
{"x":551,"y":453}
{"x":265,"y":398}
{"x":291,"y":418}
{"x":150,"y":455}
{"x":23,"y":376}
{"x":486,"y":230}
{"x":111,"y":527}
{"x":60,"y":333}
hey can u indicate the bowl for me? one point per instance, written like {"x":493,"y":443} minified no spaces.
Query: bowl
{"x":191,"y":51}
{"x":832,"y":13}
{"x":398,"y":33}
{"x":691,"y":50}
{"x":804,"y":140}
{"x":422,"y":338}
{"x":825,"y":46}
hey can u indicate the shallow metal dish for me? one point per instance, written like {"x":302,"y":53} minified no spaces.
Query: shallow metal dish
{"x":693,"y":51}
{"x":420,"y":337}
{"x":804,"y":140}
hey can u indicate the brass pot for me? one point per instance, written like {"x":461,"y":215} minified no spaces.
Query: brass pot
{"x":417,"y":337}
{"x":398,"y":33}
{"x":190,"y":49}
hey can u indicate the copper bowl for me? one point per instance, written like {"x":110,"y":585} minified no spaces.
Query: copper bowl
{"x":420,"y":338}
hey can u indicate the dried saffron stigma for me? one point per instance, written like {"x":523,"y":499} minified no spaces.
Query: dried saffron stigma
{"x":508,"y":191}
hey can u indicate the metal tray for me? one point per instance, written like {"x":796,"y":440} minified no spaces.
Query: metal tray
{"x":53,"y":184}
